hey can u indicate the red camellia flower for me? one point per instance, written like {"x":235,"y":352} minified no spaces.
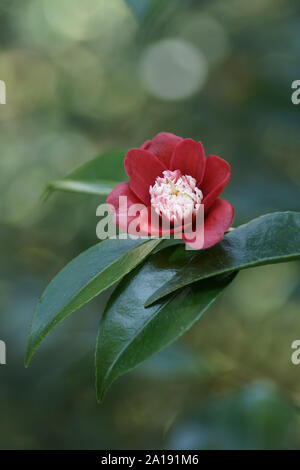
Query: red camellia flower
{"x":172,"y":178}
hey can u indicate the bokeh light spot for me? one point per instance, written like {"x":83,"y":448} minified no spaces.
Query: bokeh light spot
{"x":173,"y":69}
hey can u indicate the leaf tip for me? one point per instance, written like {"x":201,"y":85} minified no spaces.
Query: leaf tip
{"x":28,"y":357}
{"x":26,"y":362}
{"x":150,"y":301}
{"x":46,"y":193}
{"x":100,"y":393}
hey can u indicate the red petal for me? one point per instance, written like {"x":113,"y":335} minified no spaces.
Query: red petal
{"x":216,"y":176}
{"x":189,"y":159}
{"x":122,"y":189}
{"x":153,"y":225}
{"x":142,"y":167}
{"x":121,"y":216}
{"x":163,"y":146}
{"x":217,"y":222}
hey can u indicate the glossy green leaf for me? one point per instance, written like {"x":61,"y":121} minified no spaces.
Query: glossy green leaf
{"x":98,"y":176}
{"x":271,"y":238}
{"x":81,"y":280}
{"x":129,"y":333}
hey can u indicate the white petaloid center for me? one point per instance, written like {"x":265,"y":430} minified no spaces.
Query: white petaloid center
{"x":175,"y":196}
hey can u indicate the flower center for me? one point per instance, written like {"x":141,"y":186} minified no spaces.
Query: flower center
{"x":175,"y":196}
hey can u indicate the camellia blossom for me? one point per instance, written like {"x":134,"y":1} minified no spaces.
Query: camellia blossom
{"x":171,"y":178}
{"x":175,"y":196}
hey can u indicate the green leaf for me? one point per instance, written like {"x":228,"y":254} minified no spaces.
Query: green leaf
{"x":98,"y":176}
{"x":129,"y":333}
{"x":271,"y":238}
{"x":99,"y":188}
{"x":81,"y":280}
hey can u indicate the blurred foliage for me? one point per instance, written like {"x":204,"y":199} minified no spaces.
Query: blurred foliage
{"x":257,"y":418}
{"x":140,"y":8}
{"x":76,"y":87}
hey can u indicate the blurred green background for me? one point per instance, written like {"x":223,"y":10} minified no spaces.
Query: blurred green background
{"x":86,"y":77}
